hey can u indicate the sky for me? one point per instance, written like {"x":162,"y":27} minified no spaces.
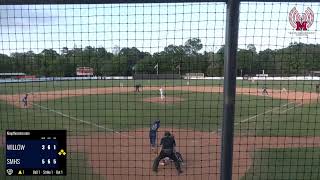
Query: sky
{"x":149,"y":27}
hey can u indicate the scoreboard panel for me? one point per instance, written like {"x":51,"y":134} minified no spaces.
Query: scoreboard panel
{"x":36,"y":152}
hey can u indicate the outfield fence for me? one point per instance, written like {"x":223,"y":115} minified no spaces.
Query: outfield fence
{"x":234,"y":82}
{"x":48,"y":79}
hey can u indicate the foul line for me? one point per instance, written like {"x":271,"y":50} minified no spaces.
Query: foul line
{"x":266,"y":112}
{"x":300,"y":104}
{"x":71,"y":117}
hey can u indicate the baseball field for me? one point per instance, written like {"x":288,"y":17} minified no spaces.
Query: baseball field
{"x":108,"y":124}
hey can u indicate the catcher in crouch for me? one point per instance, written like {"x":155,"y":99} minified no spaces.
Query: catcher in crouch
{"x":168,"y":143}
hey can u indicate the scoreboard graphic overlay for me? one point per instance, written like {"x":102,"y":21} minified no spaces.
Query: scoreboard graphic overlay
{"x":36,"y":152}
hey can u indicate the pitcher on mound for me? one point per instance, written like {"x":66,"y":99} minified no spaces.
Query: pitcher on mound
{"x":161,"y":93}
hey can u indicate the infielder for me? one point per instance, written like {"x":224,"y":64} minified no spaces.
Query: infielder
{"x":25,"y":100}
{"x":153,"y":134}
{"x":161,"y":93}
{"x":168,"y":144}
{"x":284,"y":90}
{"x":137,"y":87}
{"x":264,"y":91}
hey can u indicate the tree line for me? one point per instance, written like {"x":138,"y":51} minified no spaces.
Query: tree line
{"x":296,"y":59}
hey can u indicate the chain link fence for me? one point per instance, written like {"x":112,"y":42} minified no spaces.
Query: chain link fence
{"x":117,"y":76}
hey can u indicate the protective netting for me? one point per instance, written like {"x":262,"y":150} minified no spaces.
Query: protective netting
{"x":105,"y":73}
{"x":114,"y":74}
{"x":276,"y":128}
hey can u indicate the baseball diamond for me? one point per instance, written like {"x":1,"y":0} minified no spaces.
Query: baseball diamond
{"x":160,"y":90}
{"x":70,"y":108}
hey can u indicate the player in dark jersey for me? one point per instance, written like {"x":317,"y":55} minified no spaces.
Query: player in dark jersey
{"x":168,"y":144}
{"x":137,"y":87}
{"x":25,"y":100}
{"x":264,"y":91}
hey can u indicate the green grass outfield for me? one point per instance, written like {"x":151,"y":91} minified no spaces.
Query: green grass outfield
{"x":261,"y":116}
{"x":285,"y":164}
{"x":256,"y":116}
{"x":14,"y":88}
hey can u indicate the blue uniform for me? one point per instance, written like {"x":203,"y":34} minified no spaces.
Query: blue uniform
{"x":153,"y":132}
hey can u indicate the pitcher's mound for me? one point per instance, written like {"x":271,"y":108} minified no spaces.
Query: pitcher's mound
{"x":166,"y":100}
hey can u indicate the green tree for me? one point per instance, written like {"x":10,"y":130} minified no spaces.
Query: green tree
{"x":5,"y":63}
{"x":146,"y":65}
{"x":50,"y":64}
{"x":193,"y":46}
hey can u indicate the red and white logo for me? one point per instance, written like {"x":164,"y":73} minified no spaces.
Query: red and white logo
{"x":301,"y":22}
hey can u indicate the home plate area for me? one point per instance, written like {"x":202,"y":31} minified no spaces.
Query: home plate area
{"x":167,"y":161}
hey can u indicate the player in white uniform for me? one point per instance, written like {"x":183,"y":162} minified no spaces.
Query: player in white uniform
{"x":161,"y":93}
{"x":284,"y":90}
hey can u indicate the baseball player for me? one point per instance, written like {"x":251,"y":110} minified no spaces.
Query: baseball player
{"x":264,"y":91}
{"x":153,"y":134}
{"x":25,"y":100}
{"x":168,"y":144}
{"x":284,"y":90}
{"x":317,"y":88}
{"x":161,"y":93}
{"x":137,"y":87}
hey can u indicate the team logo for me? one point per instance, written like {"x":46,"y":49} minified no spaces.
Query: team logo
{"x":301,"y":22}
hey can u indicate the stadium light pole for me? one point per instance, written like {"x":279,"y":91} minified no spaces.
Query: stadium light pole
{"x":230,"y":55}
